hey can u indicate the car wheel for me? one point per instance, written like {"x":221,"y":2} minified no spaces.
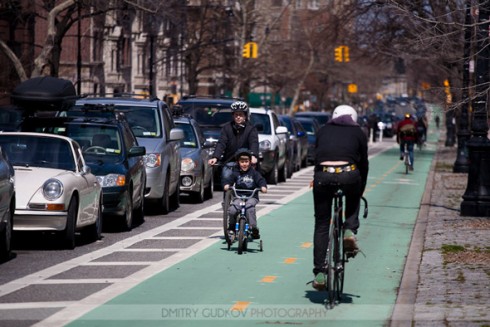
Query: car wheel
{"x":210,"y":189}
{"x":175,"y":198}
{"x":68,"y":235}
{"x":127,"y":221}
{"x":165,"y":200}
{"x":273,"y":176}
{"x":199,"y":195}
{"x":304,"y":162}
{"x":139,"y":213}
{"x":6,"y":235}
{"x":283,"y":173}
{"x":94,"y":231}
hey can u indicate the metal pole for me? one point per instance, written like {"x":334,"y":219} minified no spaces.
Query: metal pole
{"x":476,"y":199}
{"x":461,"y":165}
{"x":79,"y":51}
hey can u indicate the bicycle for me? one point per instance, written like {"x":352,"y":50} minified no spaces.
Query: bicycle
{"x":406,"y":161}
{"x":337,"y":258}
{"x":243,"y":232}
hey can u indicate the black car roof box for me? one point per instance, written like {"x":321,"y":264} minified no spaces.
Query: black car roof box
{"x":44,"y":93}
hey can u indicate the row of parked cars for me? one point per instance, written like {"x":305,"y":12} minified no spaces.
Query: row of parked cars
{"x":70,"y":164}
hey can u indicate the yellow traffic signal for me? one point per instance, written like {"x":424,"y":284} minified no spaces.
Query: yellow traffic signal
{"x":246,"y":50}
{"x":346,"y":53}
{"x":250,"y":50}
{"x":338,"y":54}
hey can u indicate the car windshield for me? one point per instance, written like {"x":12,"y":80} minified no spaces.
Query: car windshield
{"x":262,"y":122}
{"x":189,"y":140}
{"x":208,"y":116}
{"x":38,"y":151}
{"x":144,"y":121}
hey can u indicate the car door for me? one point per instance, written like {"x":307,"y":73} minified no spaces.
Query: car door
{"x":5,"y":185}
{"x":281,"y":140}
{"x":172,"y":149}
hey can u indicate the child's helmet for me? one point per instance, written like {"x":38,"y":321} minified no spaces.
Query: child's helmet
{"x":243,"y":152}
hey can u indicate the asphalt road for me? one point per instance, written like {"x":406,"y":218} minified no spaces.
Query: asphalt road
{"x":44,"y":286}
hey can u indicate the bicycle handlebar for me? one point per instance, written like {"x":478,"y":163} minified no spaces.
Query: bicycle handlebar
{"x":245,"y":197}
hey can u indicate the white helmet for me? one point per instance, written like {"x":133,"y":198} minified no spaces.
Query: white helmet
{"x":345,"y":110}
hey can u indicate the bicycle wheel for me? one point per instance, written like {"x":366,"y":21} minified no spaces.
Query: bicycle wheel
{"x":226,"y":206}
{"x":241,"y":236}
{"x":330,"y":266}
{"x":407,"y":164}
{"x":338,"y":283}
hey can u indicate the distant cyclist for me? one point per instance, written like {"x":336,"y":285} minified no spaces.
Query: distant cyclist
{"x":406,"y":137}
{"x":238,"y":133}
{"x":341,"y":159}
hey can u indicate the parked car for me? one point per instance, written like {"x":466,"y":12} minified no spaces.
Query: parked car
{"x":152,"y":123}
{"x":113,"y":155}
{"x":196,"y":175}
{"x":273,"y":140}
{"x":7,"y":205}
{"x":55,"y":189}
{"x":321,"y":117}
{"x":211,"y":114}
{"x":299,"y":140}
{"x":311,"y":127}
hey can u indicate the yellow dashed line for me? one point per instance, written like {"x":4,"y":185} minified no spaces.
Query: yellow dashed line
{"x":306,"y":245}
{"x":268,"y":279}
{"x":380,"y":180}
{"x":240,"y":306}
{"x":290,"y":260}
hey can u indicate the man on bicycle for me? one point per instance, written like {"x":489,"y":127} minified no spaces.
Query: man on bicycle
{"x":406,"y":137}
{"x":239,"y":133}
{"x":341,"y":161}
{"x":245,"y":178}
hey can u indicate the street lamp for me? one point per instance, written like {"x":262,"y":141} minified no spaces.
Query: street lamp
{"x":476,"y":199}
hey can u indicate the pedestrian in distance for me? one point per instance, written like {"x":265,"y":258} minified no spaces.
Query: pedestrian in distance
{"x":407,"y":136}
{"x":244,"y":178}
{"x":238,"y":133}
{"x":341,"y":161}
{"x":438,"y":120}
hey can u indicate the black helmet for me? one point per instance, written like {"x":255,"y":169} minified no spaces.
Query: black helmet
{"x":243,"y":152}
{"x":239,"y":106}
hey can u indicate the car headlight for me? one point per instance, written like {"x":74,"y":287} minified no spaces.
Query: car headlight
{"x":52,"y":189}
{"x":265,"y":145}
{"x":187,"y":164}
{"x":112,"y":180}
{"x":153,"y":160}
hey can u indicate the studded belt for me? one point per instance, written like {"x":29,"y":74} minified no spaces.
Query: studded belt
{"x":336,"y":169}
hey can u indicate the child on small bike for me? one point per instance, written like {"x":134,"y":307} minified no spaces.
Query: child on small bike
{"x":245,"y":178}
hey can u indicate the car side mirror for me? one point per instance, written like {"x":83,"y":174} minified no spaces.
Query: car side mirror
{"x":301,"y":133}
{"x":86,"y":170}
{"x":176,"y":134}
{"x":137,"y":151}
{"x":281,"y":130}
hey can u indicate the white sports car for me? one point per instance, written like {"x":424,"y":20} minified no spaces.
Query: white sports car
{"x":55,"y":189}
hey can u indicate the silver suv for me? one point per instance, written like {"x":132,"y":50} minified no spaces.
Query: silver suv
{"x":152,"y":124}
{"x":273,"y":140}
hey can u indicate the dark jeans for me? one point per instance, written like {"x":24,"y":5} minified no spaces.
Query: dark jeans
{"x":250,"y":212}
{"x":324,"y":187}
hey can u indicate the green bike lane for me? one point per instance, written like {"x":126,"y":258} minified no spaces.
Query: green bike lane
{"x":217,"y":287}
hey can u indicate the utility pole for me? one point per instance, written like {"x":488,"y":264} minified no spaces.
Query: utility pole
{"x":476,"y":199}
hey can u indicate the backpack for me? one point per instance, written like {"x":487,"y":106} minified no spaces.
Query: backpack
{"x":408,"y":130}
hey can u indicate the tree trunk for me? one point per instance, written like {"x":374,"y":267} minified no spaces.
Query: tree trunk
{"x":16,"y":62}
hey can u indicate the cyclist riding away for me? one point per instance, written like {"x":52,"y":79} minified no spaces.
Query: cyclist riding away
{"x":406,"y":137}
{"x":239,"y":133}
{"x":245,"y":178}
{"x":341,"y":161}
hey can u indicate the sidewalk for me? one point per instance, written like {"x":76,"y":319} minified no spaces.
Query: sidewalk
{"x":446,"y":281}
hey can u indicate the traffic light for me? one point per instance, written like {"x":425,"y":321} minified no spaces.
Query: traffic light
{"x":338,"y":54}
{"x":342,"y":53}
{"x":250,"y":50}
{"x":346,"y":53}
{"x":246,"y":50}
